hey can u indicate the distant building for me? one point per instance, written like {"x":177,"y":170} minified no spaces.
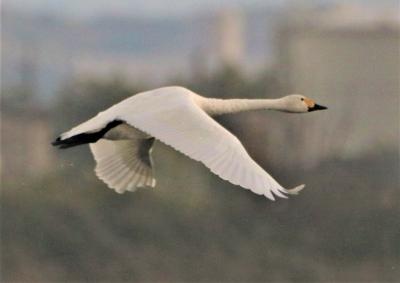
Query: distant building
{"x":348,"y":58}
{"x":230,"y":37}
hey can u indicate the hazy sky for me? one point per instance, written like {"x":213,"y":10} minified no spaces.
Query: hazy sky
{"x":87,"y":8}
{"x":138,"y":7}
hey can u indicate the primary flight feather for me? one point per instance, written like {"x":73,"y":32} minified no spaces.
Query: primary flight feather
{"x":122,"y":136}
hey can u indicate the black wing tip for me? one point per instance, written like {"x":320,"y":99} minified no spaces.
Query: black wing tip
{"x":67,"y":143}
{"x":84,"y":138}
{"x":56,"y":142}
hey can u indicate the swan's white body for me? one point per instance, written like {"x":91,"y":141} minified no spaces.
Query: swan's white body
{"x":181,"y":119}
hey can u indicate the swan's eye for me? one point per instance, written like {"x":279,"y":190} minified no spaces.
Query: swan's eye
{"x":302,"y":99}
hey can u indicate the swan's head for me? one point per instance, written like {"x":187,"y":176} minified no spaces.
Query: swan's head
{"x":297,"y":103}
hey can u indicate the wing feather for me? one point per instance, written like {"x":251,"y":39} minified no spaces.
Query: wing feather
{"x":123,"y":165}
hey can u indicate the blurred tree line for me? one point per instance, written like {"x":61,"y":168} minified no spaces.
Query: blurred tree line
{"x":68,"y":226}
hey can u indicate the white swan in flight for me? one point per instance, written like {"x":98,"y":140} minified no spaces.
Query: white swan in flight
{"x":122,"y":136}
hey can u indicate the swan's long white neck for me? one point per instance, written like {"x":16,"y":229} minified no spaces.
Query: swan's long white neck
{"x":215,"y":106}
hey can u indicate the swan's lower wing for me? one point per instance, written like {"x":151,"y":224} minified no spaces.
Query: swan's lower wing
{"x":124,"y":165}
{"x":183,"y":125}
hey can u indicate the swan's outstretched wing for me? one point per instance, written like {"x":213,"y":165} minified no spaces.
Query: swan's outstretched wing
{"x":124,"y":165}
{"x":179,"y":122}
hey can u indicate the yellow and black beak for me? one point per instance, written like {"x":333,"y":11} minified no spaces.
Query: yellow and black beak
{"x":316,"y":107}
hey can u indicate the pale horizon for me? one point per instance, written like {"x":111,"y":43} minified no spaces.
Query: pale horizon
{"x":157,"y":8}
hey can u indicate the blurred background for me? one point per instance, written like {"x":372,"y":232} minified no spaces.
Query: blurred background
{"x":63,"y":61}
